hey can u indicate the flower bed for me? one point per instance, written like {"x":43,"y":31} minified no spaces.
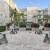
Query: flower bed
{"x":8,"y":24}
{"x":47,"y":26}
{"x":35,"y":26}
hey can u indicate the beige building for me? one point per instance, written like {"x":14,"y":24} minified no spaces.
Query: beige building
{"x":10,"y":3}
{"x":49,"y":12}
{"x":30,"y":11}
{"x":4,"y":13}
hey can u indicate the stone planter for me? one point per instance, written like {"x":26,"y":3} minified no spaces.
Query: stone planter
{"x":47,"y":28}
{"x":17,"y":27}
{"x":34,"y":29}
{"x":22,"y":28}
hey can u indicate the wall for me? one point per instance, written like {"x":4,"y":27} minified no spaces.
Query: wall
{"x":48,"y":9}
{"x":30,"y":12}
{"x":4,"y":9}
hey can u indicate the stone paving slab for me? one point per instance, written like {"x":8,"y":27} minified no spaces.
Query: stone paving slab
{"x":25,"y":40}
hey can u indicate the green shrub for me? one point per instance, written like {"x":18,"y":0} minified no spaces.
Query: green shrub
{"x":21,"y":24}
{"x":41,"y":21}
{"x":2,"y":28}
{"x":42,"y":28}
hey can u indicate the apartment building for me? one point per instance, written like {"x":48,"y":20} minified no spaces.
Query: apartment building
{"x":49,"y":12}
{"x":4,"y":13}
{"x":30,"y":11}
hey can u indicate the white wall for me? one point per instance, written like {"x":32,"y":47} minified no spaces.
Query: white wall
{"x":48,"y":13}
{"x":4,"y":9}
{"x":30,"y":14}
{"x":48,"y":9}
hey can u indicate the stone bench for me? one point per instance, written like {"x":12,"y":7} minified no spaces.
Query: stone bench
{"x":46,"y":38}
{"x":3,"y":38}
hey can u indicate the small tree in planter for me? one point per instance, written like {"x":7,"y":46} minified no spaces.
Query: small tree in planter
{"x":22,"y":26}
{"x":47,"y":26}
{"x":35,"y":26}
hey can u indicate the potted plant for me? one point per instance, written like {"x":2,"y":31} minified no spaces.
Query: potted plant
{"x":35,"y":26}
{"x":22,"y":26}
{"x":47,"y":26}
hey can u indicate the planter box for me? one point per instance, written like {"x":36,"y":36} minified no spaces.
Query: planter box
{"x":17,"y":27}
{"x":22,"y":28}
{"x":35,"y":29}
{"x":47,"y":28}
{"x":28,"y":28}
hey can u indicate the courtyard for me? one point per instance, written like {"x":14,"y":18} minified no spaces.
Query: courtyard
{"x":25,"y":40}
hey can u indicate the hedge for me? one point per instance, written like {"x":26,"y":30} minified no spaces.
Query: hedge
{"x":22,"y":24}
{"x":2,"y":28}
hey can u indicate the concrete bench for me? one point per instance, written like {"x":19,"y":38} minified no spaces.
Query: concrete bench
{"x":3,"y":38}
{"x":38,"y":31}
{"x":46,"y":38}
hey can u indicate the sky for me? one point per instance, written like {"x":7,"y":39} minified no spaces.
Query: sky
{"x":26,"y":3}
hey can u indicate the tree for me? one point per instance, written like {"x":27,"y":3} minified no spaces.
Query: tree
{"x":46,"y":16}
{"x":22,"y":15}
{"x":34,"y":17}
{"x":13,"y":15}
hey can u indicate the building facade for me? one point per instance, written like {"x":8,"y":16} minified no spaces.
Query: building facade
{"x":39,"y":12}
{"x":48,"y":13}
{"x":4,"y":13}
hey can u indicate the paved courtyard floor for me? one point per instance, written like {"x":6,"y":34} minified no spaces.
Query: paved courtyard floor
{"x":25,"y":40}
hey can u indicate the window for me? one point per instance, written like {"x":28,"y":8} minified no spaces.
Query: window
{"x":6,"y":6}
{"x":1,"y":0}
{"x":5,"y":16}
{"x":0,"y":13}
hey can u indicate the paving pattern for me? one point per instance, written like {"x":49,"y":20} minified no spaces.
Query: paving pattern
{"x":25,"y":40}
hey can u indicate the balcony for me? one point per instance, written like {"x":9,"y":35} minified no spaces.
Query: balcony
{"x":40,"y":17}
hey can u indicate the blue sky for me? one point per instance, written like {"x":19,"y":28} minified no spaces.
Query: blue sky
{"x":37,"y":3}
